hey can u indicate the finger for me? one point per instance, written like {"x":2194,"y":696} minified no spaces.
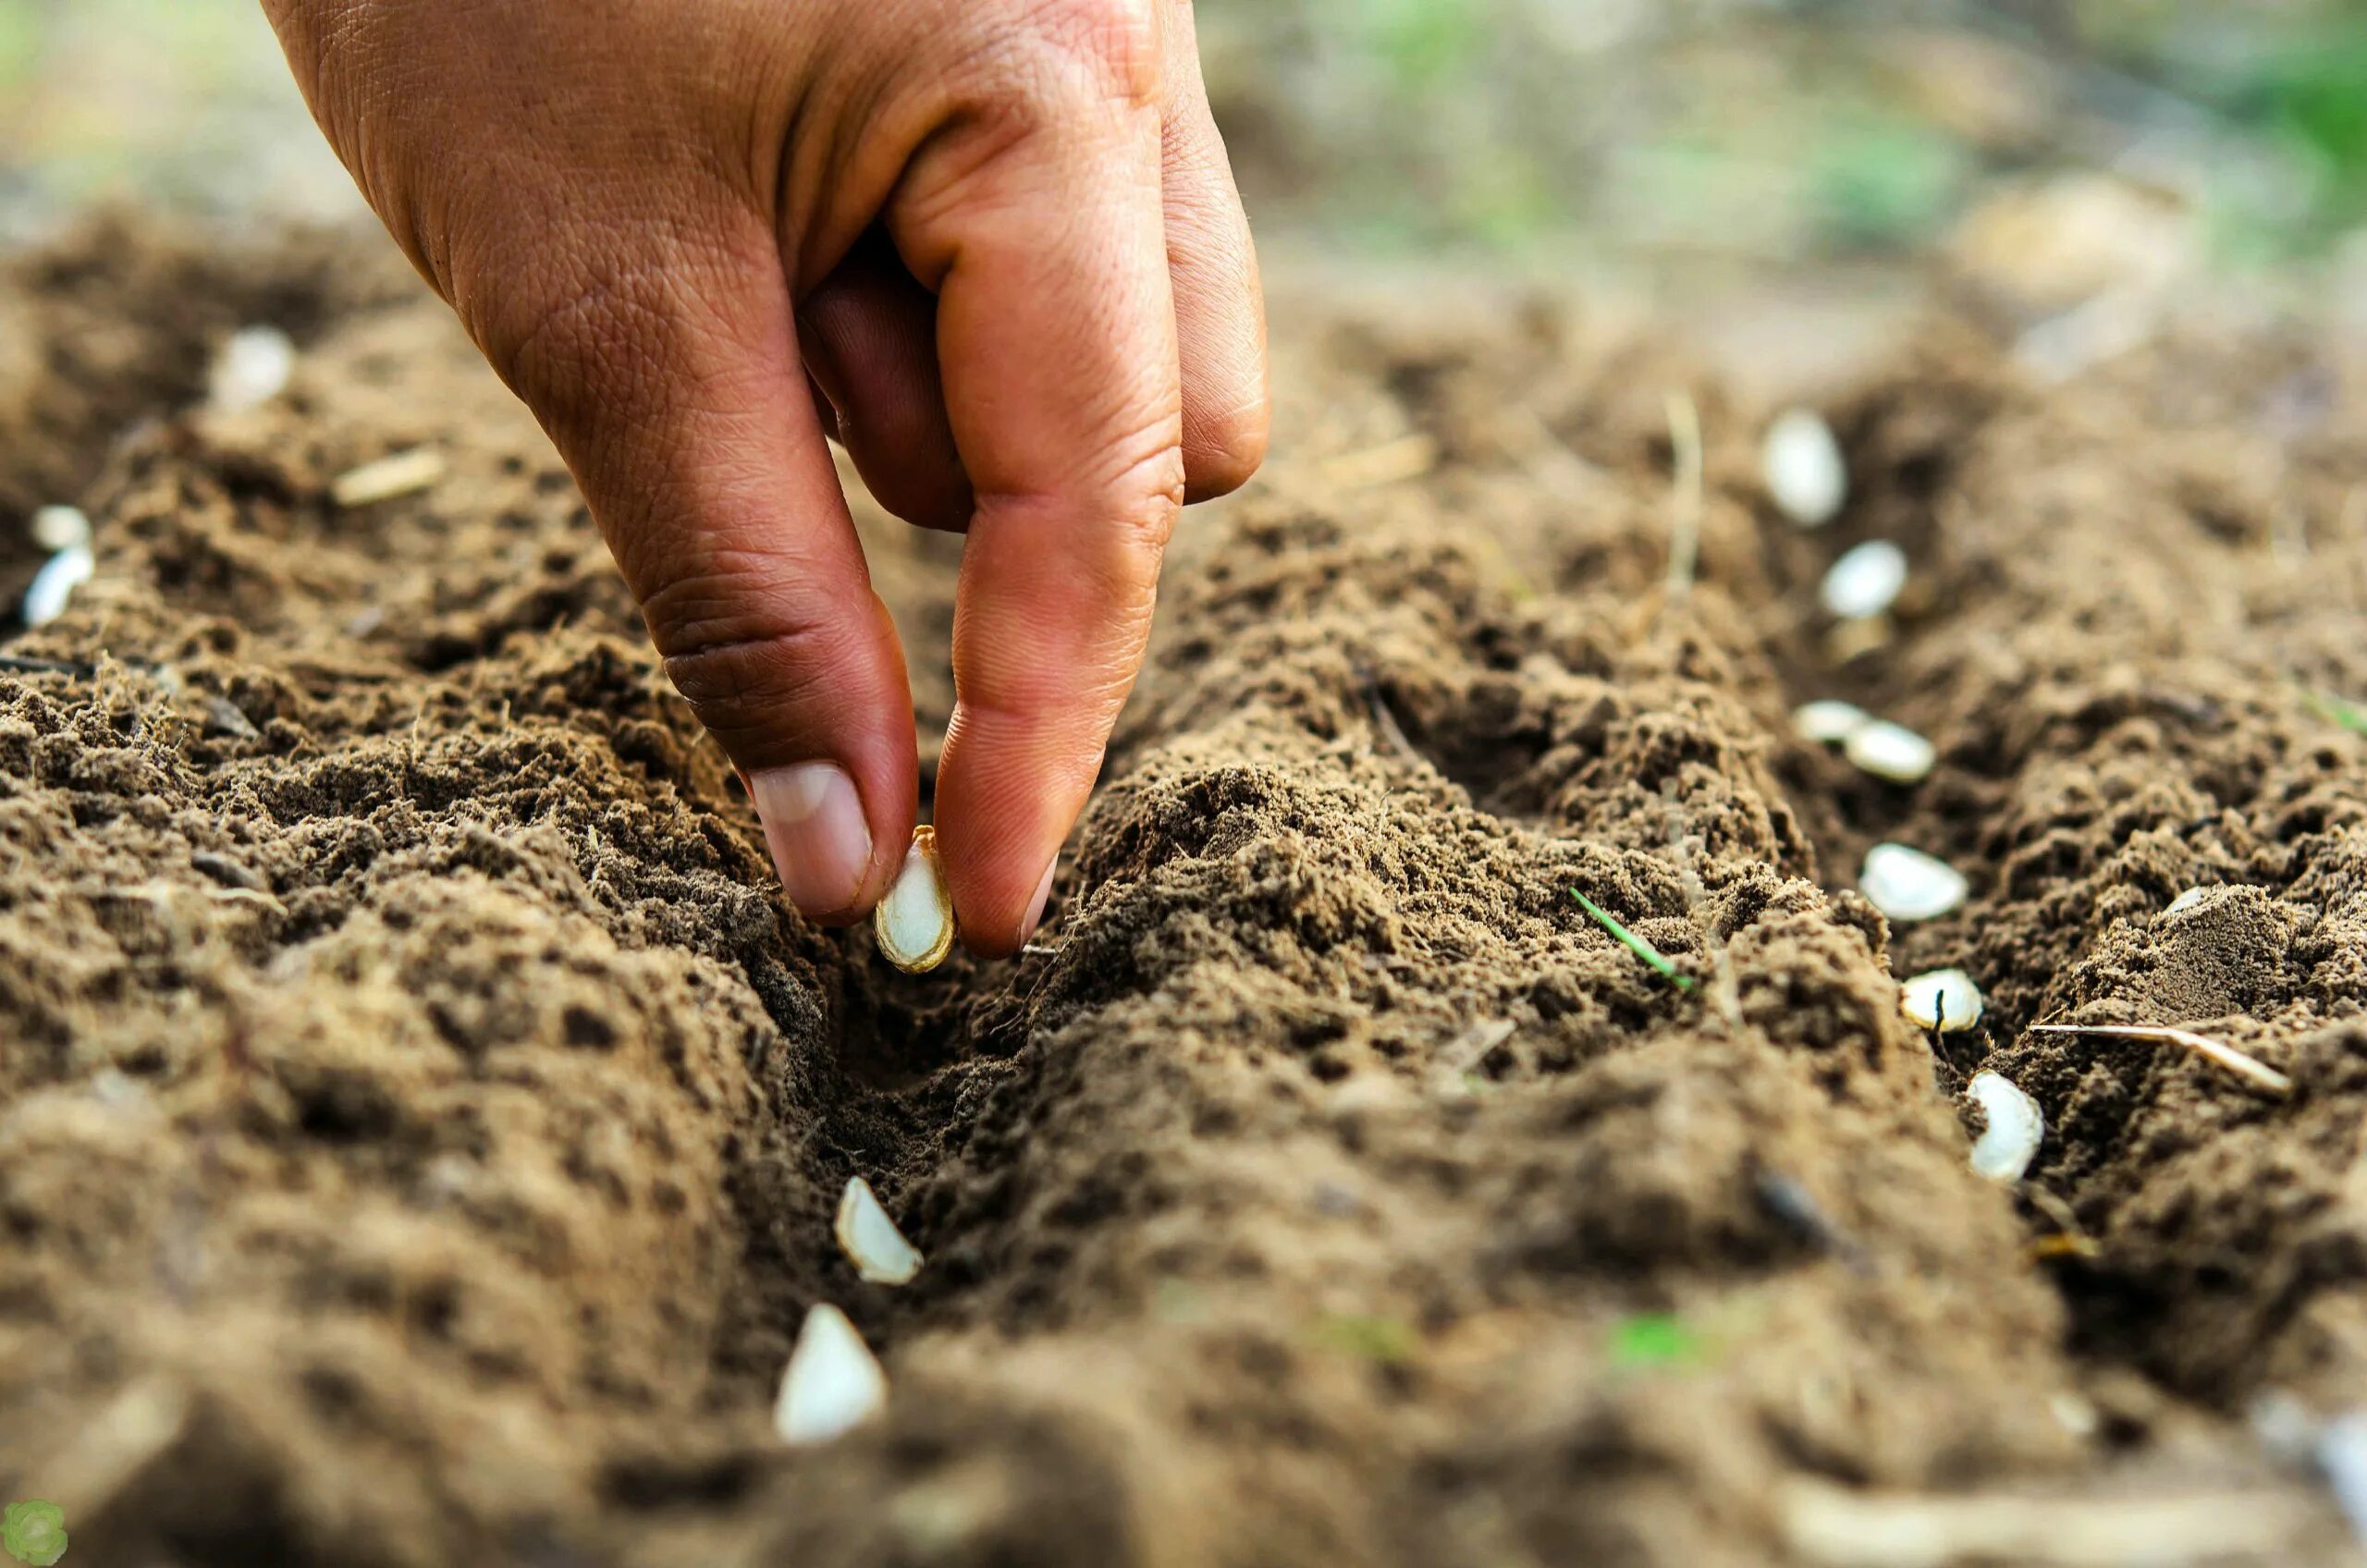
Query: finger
{"x":1219,"y":307}
{"x":1056,"y":336}
{"x":671,"y":384}
{"x":869,"y":335}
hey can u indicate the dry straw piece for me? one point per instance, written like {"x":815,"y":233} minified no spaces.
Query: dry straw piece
{"x":404,"y":474}
{"x":2251,"y":1069}
{"x":915,"y":923}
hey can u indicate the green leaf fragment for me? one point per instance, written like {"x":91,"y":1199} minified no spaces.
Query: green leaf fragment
{"x":1653,"y":1339}
{"x":2334,"y":710}
{"x":1389,"y":1341}
{"x":33,"y":1532}
{"x":1637,"y":944}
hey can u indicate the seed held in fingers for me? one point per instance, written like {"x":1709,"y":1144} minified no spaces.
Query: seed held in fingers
{"x":869,"y":1237}
{"x":915,"y":921}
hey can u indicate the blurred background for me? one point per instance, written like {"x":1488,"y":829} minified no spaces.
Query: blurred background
{"x":2058,"y":152}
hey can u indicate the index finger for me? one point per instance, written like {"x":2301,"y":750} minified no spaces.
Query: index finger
{"x":1056,"y":336}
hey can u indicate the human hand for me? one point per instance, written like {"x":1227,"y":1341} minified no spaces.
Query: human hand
{"x":993,"y":246}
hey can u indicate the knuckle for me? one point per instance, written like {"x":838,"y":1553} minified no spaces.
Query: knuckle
{"x":1108,"y":50}
{"x":744,"y":682}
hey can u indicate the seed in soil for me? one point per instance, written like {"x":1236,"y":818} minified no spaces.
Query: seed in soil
{"x":1830,"y":721}
{"x":1891,"y":752}
{"x":1866,"y":581}
{"x":913,"y":924}
{"x":1805,"y":473}
{"x":53,"y":584}
{"x":834,"y":1383}
{"x":1906,"y":884}
{"x":61,"y":528}
{"x":868,"y":1236}
{"x":252,"y":368}
{"x":2005,"y":1151}
{"x":403,"y":474}
{"x":1944,"y":999}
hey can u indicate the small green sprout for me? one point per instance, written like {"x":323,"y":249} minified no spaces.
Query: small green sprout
{"x":2334,"y":710}
{"x":33,"y":1532}
{"x":1637,"y":944}
{"x":1391,"y":1342}
{"x":1652,"y":1340}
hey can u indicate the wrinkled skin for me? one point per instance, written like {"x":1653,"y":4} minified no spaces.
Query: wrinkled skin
{"x":992,"y":246}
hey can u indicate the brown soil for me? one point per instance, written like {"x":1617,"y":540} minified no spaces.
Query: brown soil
{"x":420,"y":1117}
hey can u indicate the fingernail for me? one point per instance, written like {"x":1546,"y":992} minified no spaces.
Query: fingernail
{"x":1035,"y":906}
{"x":815,"y":825}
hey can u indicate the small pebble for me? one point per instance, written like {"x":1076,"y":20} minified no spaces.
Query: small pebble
{"x":60,"y":528}
{"x":1892,"y":752}
{"x":1866,"y":581}
{"x":402,"y":474}
{"x":1946,"y":1000}
{"x":54,"y":585}
{"x":1829,"y":722}
{"x":252,"y":368}
{"x":834,"y":1383}
{"x":2003,"y":1152}
{"x":1806,"y":475}
{"x":869,"y":1237}
{"x":1906,"y":884}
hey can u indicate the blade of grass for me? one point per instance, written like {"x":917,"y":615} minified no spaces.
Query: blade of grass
{"x":2334,"y":710}
{"x":1635,"y":944}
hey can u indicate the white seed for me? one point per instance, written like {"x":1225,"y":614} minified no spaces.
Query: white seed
{"x":60,"y":528}
{"x":1909,"y":885}
{"x":2341,"y":1453}
{"x":1865,"y":582}
{"x":1946,"y":1000}
{"x":2191,"y":899}
{"x":55,"y":583}
{"x":869,"y":1238}
{"x":915,"y":923}
{"x":1806,"y":475}
{"x":402,"y":474}
{"x":252,"y":368}
{"x":1829,"y":722}
{"x":2016,"y":1128}
{"x":834,"y":1383}
{"x":1891,"y":751}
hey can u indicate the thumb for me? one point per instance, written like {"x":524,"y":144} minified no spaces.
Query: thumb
{"x":671,"y":381}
